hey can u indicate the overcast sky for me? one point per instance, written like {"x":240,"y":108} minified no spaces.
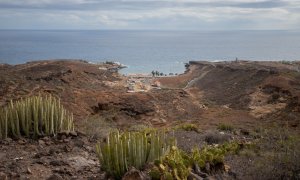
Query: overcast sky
{"x":150,"y":14}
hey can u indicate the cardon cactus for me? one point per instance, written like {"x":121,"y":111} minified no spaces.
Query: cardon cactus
{"x":33,"y":117}
{"x":131,"y":149}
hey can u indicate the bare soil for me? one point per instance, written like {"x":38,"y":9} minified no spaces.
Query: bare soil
{"x":63,"y":157}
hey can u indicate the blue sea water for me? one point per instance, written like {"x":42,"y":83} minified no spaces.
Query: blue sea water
{"x":144,"y":51}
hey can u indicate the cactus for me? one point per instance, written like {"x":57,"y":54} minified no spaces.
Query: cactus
{"x":175,"y":165}
{"x":131,"y":149}
{"x":212,"y":155}
{"x":178,"y":164}
{"x":33,"y":117}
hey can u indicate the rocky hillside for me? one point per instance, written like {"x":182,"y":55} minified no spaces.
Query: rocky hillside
{"x":211,"y":103}
{"x":89,"y":89}
{"x":262,"y":89}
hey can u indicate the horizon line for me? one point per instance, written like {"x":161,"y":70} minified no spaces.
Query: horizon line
{"x":52,"y":29}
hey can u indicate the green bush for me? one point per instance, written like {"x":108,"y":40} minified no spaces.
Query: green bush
{"x":33,"y":117}
{"x":131,"y":149}
{"x":189,"y":127}
{"x":225,"y":127}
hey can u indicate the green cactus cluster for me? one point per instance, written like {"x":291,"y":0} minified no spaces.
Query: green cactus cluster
{"x":178,"y":164}
{"x":131,"y":149}
{"x":212,"y":154}
{"x":175,"y":165}
{"x":34,"y":117}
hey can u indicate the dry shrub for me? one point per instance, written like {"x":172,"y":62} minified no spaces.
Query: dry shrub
{"x":276,"y":155}
{"x":215,"y":137}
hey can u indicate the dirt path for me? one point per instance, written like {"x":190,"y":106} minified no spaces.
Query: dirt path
{"x":193,"y":81}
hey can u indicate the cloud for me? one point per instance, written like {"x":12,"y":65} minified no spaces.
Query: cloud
{"x":150,"y":14}
{"x":134,"y":4}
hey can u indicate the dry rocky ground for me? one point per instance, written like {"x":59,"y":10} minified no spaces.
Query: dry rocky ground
{"x":250,"y":97}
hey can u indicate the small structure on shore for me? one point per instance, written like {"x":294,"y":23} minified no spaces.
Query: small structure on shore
{"x":139,"y":82}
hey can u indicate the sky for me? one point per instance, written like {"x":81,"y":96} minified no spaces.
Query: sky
{"x":151,"y":14}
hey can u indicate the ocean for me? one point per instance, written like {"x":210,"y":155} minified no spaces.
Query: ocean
{"x":144,"y":51}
